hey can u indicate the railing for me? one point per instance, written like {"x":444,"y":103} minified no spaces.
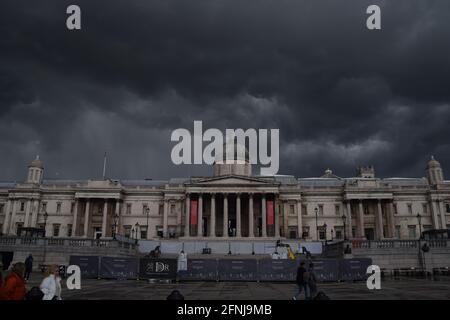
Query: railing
{"x":69,"y":242}
{"x":404,"y":244}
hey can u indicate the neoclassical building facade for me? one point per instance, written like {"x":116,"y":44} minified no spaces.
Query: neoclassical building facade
{"x":232,"y":203}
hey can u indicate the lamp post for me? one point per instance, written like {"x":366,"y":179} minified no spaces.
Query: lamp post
{"x":45,"y":223}
{"x":147,"y":212}
{"x":316,"y":210}
{"x":136,"y":227}
{"x":325,"y":228}
{"x":116,"y":218}
{"x":344,"y":220}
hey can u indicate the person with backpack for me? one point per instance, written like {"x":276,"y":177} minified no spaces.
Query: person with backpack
{"x":302,"y":282}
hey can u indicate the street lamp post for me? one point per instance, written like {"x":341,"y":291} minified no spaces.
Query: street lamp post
{"x":344,"y":220}
{"x":317,"y":226}
{"x":419,"y":218}
{"x":325,"y":228}
{"x":136,"y":227}
{"x":147,"y":211}
{"x":45,"y":223}
{"x":116,"y":218}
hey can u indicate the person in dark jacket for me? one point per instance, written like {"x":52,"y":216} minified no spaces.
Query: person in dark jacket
{"x":175,"y":295}
{"x":302,"y":282}
{"x":312,"y":282}
{"x":28,"y":266}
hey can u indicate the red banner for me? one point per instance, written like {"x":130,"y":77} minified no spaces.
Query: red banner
{"x":270,"y":213}
{"x":194,"y":206}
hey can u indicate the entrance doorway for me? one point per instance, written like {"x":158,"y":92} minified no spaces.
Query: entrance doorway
{"x":205,"y":227}
{"x":369,"y":233}
{"x":97,"y":232}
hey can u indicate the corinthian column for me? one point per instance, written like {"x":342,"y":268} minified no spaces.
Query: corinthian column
{"x":186,"y":219}
{"x":213,"y":216}
{"x":264,"y":215}
{"x":251,"y":219}
{"x":238,"y":215}
{"x":225,"y":215}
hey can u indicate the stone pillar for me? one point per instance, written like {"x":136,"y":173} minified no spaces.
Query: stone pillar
{"x":118,"y":221}
{"x":348,"y":221}
{"x":434,"y":214}
{"x":75,"y":219}
{"x":238,"y":215}
{"x":251,"y":218}
{"x":212,"y":231}
{"x":86,"y":217}
{"x":7,"y":216}
{"x":299,"y":220}
{"x":12,"y":222}
{"x":186,"y":217}
{"x":179,"y":224}
{"x":442,"y":209}
{"x":105,"y":218}
{"x":200,"y":216}
{"x":165,"y":219}
{"x":277,"y":218}
{"x":35,"y":213}
{"x":225,"y":215}
{"x":27,"y":214}
{"x":391,"y":220}
{"x":263,"y":215}
{"x":360,"y":220}
{"x":380,"y":231}
{"x":285,"y":218}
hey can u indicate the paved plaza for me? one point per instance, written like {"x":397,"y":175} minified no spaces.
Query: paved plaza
{"x":404,"y":288}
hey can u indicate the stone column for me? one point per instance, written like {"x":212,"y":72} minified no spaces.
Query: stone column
{"x":12,"y":222}
{"x":285,"y":218}
{"x":434,"y":214}
{"x":75,"y":219}
{"x":35,"y":213}
{"x":264,"y":215}
{"x":187,"y":218}
{"x":212,"y":231}
{"x":380,"y":231}
{"x":86,"y":217}
{"x":117,"y":214}
{"x":276,"y":208}
{"x":165,"y":219}
{"x":179,"y":224}
{"x":348,"y":221}
{"x":105,"y":218}
{"x":7,"y":216}
{"x":27,"y":214}
{"x":391,"y":220}
{"x":360,"y":220}
{"x":200,"y":216}
{"x":299,"y":219}
{"x":251,"y":218}
{"x":225,"y":215}
{"x":238,"y":215}
{"x":442,"y":209}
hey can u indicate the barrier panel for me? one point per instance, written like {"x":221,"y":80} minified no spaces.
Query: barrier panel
{"x":158,"y":268}
{"x":118,"y":268}
{"x":326,"y":269}
{"x":237,"y":270}
{"x":354,"y":269}
{"x":199,"y":269}
{"x":89,"y":265}
{"x":277,"y":270}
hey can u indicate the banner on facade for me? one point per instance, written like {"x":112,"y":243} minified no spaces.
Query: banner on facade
{"x":118,"y":268}
{"x":270,"y":213}
{"x":158,"y":269}
{"x":193,"y":214}
{"x":89,"y":265}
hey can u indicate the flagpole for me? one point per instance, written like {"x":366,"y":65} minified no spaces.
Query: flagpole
{"x":104,"y":166}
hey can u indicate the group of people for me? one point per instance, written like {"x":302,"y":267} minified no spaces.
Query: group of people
{"x":306,"y":281}
{"x":13,"y":286}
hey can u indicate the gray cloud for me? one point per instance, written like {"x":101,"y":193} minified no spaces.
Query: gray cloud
{"x":342,"y":96}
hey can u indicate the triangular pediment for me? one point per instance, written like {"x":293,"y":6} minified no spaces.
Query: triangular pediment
{"x":232,"y":180}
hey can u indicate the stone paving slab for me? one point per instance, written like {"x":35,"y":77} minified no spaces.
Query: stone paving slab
{"x":404,"y":289}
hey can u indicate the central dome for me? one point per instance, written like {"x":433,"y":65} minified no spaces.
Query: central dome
{"x":233,"y":159}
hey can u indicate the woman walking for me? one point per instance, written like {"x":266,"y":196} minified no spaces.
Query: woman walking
{"x":51,"y":285}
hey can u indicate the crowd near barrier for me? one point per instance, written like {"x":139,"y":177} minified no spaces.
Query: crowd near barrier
{"x":229,"y":269}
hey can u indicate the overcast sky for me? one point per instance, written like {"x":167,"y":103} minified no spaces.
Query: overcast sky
{"x":341,"y":95}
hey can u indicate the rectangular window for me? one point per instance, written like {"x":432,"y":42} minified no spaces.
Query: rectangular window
{"x":305,"y":231}
{"x":128,"y":208}
{"x":337,"y":210}
{"x":143,"y":232}
{"x":412,"y":232}
{"x":127,"y":231}
{"x":58,"y":207}
{"x":425,"y":208}
{"x":172,"y":209}
{"x":321,"y":209}
{"x":69,"y":230}
{"x":447,"y":206}
{"x":44,"y":206}
{"x":291,"y":209}
{"x":322,"y":233}
{"x":22,"y":206}
{"x":410,"y":211}
{"x":161,"y":209}
{"x":426,"y":227}
{"x":56,"y":230}
{"x":2,"y":207}
{"x":144,"y":208}
{"x":304,"y":210}
{"x":72,"y":207}
{"x":339,"y":234}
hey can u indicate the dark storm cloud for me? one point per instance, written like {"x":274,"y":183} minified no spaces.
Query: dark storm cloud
{"x":341,"y":95}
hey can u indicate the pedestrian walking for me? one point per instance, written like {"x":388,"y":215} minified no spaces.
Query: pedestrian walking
{"x":51,"y":285}
{"x":28,"y":266}
{"x":302,"y":284}
{"x":14,"y":284}
{"x":312,"y":281}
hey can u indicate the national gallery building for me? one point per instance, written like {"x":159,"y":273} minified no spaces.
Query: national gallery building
{"x":232,"y":203}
